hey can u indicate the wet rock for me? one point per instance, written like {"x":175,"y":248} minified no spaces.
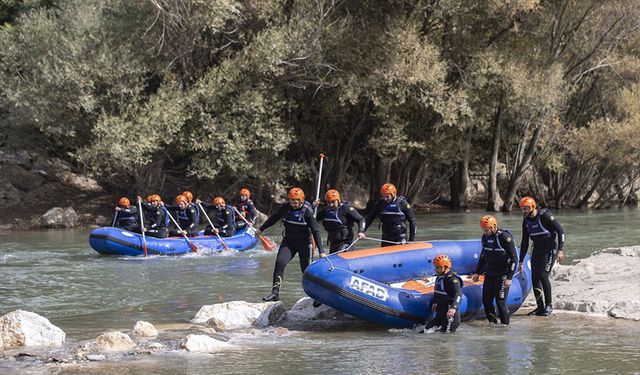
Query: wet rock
{"x":144,"y":329}
{"x":203,"y":344}
{"x":24,"y":328}
{"x":239,"y":314}
{"x":107,"y":342}
{"x":101,"y":221}
{"x":156,"y":347}
{"x":303,"y":310}
{"x":96,"y":357}
{"x":59,"y":218}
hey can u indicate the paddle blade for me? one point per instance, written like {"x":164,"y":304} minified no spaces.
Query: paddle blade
{"x":267,"y":243}
{"x":194,"y":248}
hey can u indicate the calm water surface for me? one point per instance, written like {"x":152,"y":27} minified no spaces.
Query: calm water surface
{"x":56,"y":274}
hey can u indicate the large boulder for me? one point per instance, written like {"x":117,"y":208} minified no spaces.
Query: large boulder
{"x":303,"y":315}
{"x":239,"y":315}
{"x":144,"y":329}
{"x":24,"y":328}
{"x":204,"y":344}
{"x":108,"y":342}
{"x":59,"y":218}
{"x":79,"y":182}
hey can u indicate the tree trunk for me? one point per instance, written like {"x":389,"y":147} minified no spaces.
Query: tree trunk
{"x":492,"y":188}
{"x":514,"y":181}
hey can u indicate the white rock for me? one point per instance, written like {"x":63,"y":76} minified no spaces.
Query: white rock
{"x":24,"y":328}
{"x":239,"y":314}
{"x":203,"y":344}
{"x":96,"y":357}
{"x":144,"y":329}
{"x":303,"y":311}
{"x":59,"y":218}
{"x":110,"y":342}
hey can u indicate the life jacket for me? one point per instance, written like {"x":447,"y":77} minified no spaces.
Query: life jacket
{"x":335,"y":219}
{"x":165,"y":221}
{"x":183,"y":216}
{"x":221,"y":217}
{"x":440,"y":291}
{"x":197,"y":219}
{"x":295,"y":225}
{"x":243,"y":208}
{"x":127,"y":220}
{"x":537,"y":232}
{"x":392,"y":212}
{"x":494,"y":252}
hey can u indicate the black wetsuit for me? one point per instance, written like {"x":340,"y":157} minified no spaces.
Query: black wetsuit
{"x":127,"y":218}
{"x":338,"y":222}
{"x":542,"y":230}
{"x":159,"y":221}
{"x":224,"y":220}
{"x":296,"y":240}
{"x":447,"y":295}
{"x":392,"y":216}
{"x":248,"y":210}
{"x":188,"y":219}
{"x":499,"y":256}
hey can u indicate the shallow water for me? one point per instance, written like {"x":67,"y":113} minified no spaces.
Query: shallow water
{"x":57,"y":275}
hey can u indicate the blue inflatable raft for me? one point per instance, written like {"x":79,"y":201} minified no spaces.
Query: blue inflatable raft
{"x":393,"y":286}
{"x":117,"y":241}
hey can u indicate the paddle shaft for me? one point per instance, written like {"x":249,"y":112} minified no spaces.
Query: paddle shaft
{"x":213,"y":228}
{"x":144,"y":240}
{"x":115,"y":217}
{"x":315,"y":210}
{"x":191,"y":245}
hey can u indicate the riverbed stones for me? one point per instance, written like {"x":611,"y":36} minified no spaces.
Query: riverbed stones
{"x":144,"y":329}
{"x":239,"y":315}
{"x":108,"y":342}
{"x":58,"y":217}
{"x":203,"y":344}
{"x":24,"y":328}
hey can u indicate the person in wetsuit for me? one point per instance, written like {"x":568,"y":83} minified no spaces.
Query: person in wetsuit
{"x":338,"y":219}
{"x":246,"y":208}
{"x":126,"y":216}
{"x":500,"y":258}
{"x":297,"y":218}
{"x":542,"y":228}
{"x":447,"y":295}
{"x":224,"y":218}
{"x":393,"y":211}
{"x":186,"y":215}
{"x":157,"y":218}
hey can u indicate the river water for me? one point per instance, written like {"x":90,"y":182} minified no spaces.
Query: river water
{"x":56,"y":274}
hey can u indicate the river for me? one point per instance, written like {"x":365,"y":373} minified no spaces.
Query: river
{"x":56,"y":274}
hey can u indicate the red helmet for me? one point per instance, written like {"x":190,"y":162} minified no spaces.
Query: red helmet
{"x":218,"y":201}
{"x":296,"y":193}
{"x":489,"y":221}
{"x":182,"y":199}
{"x":389,"y":189}
{"x":442,"y":261}
{"x":527,"y":202}
{"x":124,"y":202}
{"x":332,"y":195}
{"x":245,"y":192}
{"x":188,"y":194}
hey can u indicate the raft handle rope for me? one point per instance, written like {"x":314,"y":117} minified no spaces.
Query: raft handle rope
{"x":341,"y":251}
{"x":385,"y":241}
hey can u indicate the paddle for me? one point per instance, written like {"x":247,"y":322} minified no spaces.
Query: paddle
{"x":212,"y":227}
{"x":144,"y":240}
{"x":315,"y":210}
{"x":267,"y":243}
{"x":193,"y":247}
{"x":115,"y":216}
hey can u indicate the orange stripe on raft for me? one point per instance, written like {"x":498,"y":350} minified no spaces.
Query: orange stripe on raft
{"x":423,"y":289}
{"x":385,"y":250}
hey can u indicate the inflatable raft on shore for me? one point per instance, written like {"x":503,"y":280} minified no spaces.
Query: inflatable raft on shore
{"x":393,"y":286}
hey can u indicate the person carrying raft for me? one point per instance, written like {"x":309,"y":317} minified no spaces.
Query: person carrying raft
{"x":447,"y":295}
{"x":297,"y":218}
{"x":338,"y":219}
{"x":393,"y":210}
{"x":499,"y":256}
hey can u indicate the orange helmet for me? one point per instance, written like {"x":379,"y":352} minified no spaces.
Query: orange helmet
{"x":245,"y":192}
{"x":149,"y":198}
{"x":124,"y":202}
{"x":489,"y":221}
{"x":182,"y":199}
{"x":389,"y":189}
{"x":332,"y":195}
{"x":296,"y":193}
{"x":442,"y":261}
{"x":527,"y":202}
{"x":156,"y":197}
{"x":188,"y":194}
{"x":218,"y":201}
